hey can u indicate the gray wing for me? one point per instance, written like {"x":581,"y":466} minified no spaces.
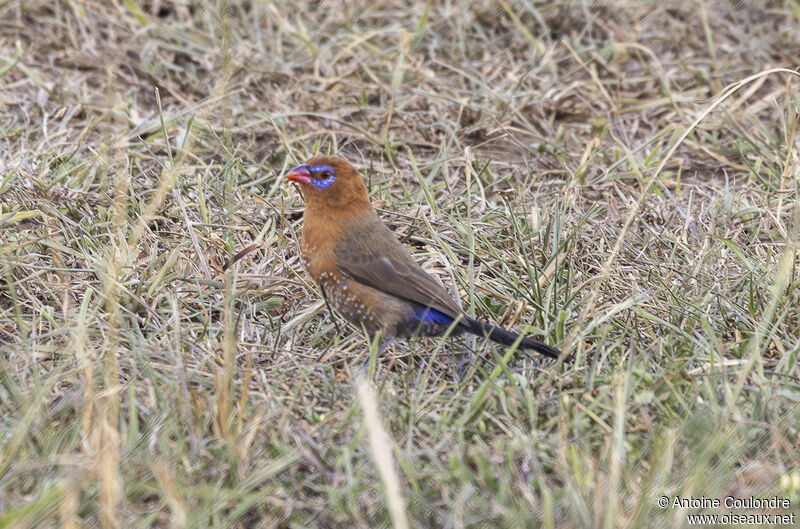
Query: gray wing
{"x":370,"y":254}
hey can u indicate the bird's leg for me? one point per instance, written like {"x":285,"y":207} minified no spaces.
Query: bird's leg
{"x":369,"y":366}
{"x":330,"y":309}
{"x":385,"y":344}
{"x":361,"y":370}
{"x":466,"y":361}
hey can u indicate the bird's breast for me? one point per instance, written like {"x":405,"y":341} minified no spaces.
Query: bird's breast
{"x":361,"y":304}
{"x":344,"y":294}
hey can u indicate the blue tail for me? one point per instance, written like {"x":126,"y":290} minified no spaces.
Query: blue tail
{"x":428,"y":315}
{"x":433,"y":323}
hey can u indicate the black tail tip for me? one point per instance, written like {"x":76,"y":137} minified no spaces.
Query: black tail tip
{"x":505,"y":337}
{"x":540,"y":347}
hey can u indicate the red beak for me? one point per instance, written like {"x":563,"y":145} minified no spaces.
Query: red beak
{"x":300,"y":174}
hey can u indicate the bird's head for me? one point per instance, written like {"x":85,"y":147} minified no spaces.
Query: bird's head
{"x":329,"y":182}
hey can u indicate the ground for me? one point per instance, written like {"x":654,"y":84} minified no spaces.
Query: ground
{"x":618,"y":178}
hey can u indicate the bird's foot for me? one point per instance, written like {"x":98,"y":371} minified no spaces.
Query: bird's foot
{"x":385,"y":344}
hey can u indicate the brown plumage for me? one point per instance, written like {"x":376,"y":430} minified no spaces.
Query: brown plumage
{"x":364,"y":271}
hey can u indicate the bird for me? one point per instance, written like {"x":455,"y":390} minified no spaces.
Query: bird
{"x":366,"y":273}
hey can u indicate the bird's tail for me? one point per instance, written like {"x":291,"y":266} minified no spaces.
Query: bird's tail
{"x":505,"y":337}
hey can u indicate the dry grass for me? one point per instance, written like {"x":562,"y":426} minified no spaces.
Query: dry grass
{"x":521,"y":150}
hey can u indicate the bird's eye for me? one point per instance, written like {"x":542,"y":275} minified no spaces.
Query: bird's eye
{"x":322,"y":176}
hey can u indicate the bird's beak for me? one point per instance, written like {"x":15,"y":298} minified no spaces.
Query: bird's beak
{"x":300,"y":174}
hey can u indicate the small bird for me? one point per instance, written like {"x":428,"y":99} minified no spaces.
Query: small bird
{"x":365,"y":272}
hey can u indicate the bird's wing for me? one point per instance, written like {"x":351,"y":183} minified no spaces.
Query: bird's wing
{"x":370,"y":254}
